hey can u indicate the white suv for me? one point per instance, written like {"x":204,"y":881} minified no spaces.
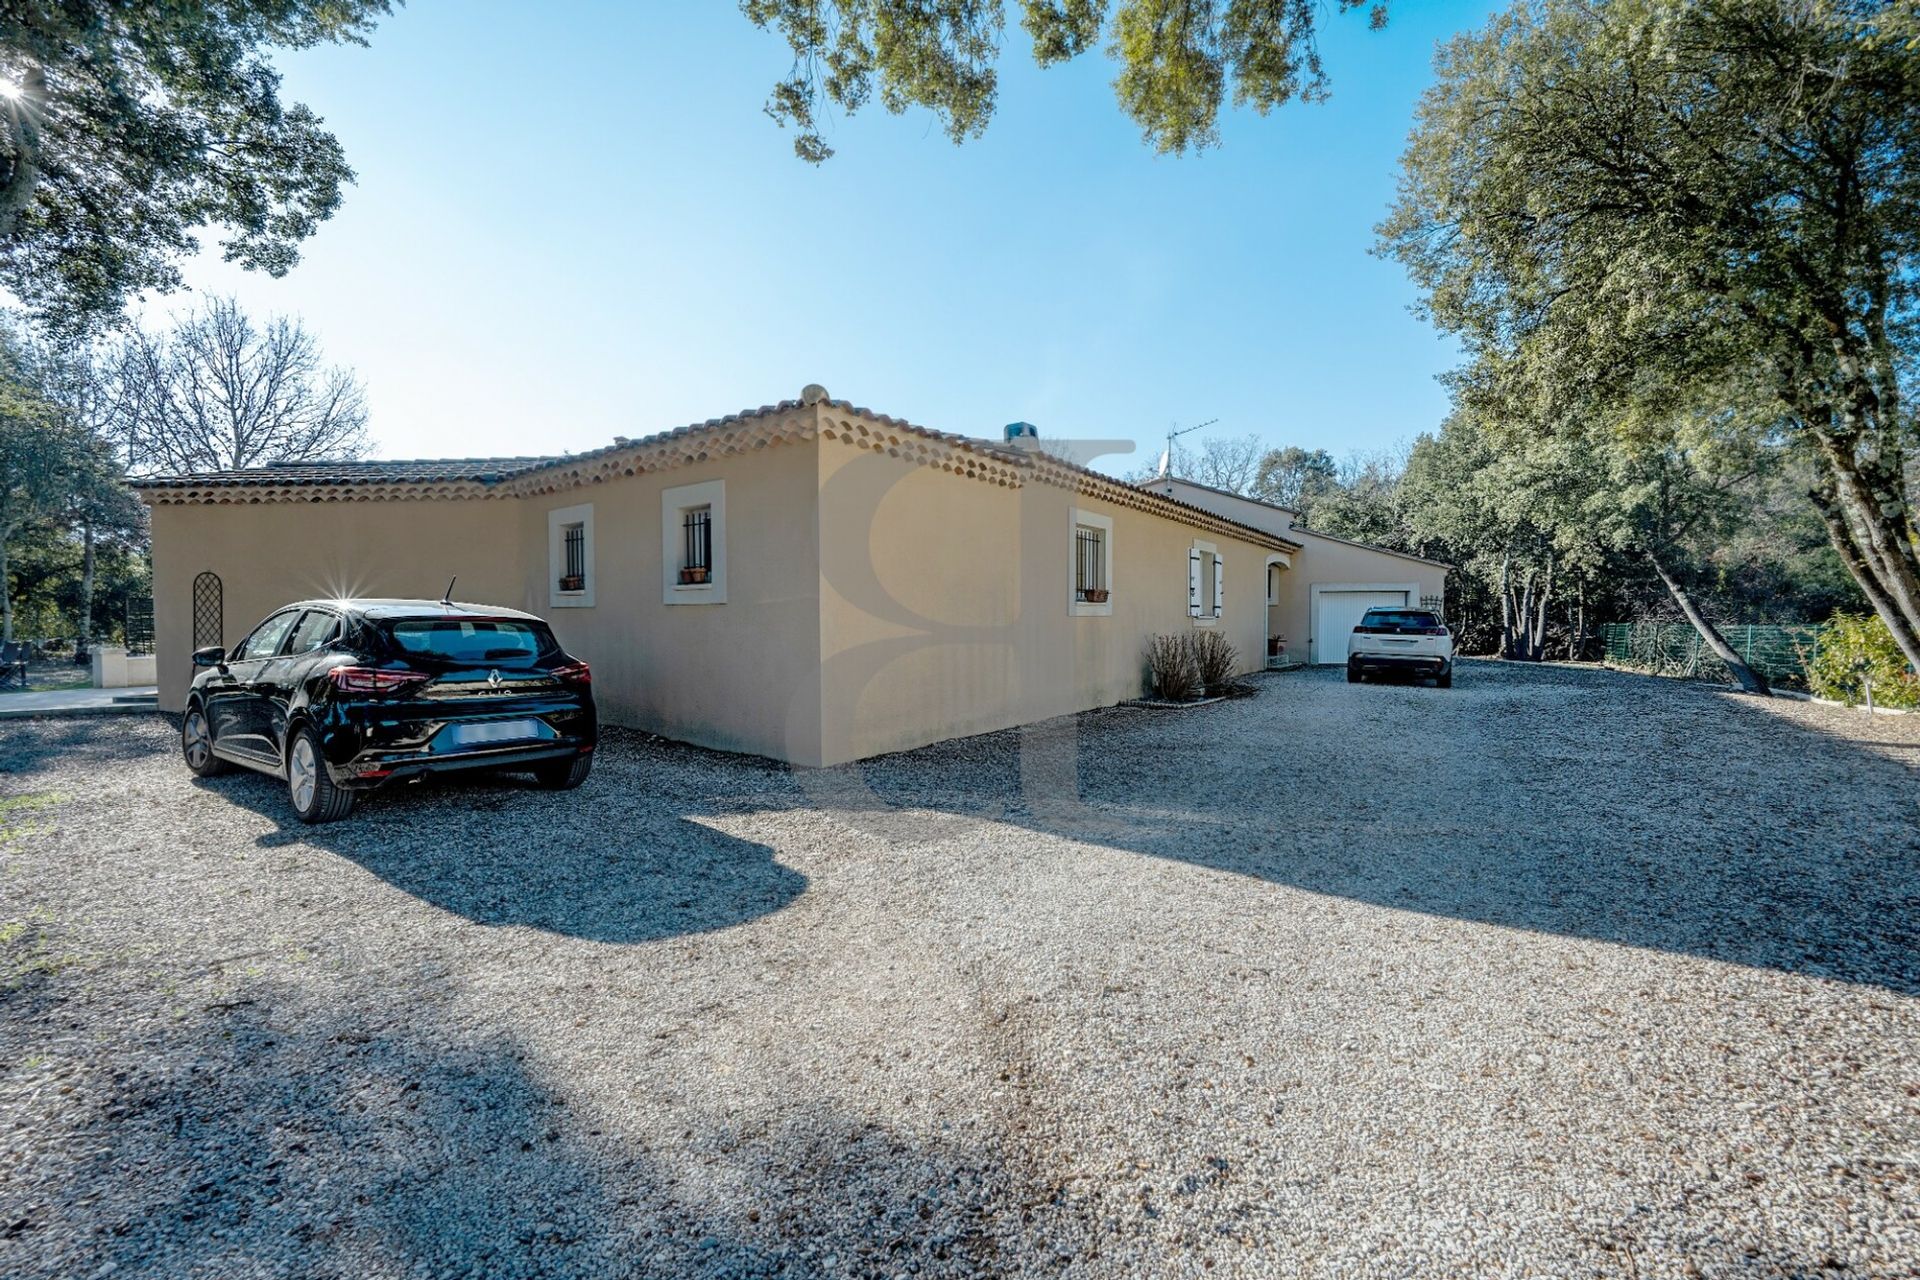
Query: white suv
{"x":1409,"y":641}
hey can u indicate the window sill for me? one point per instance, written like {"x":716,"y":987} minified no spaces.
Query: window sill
{"x":1089,"y":609}
{"x":571,"y":599}
{"x":695,"y":593}
{"x":1206,"y":622}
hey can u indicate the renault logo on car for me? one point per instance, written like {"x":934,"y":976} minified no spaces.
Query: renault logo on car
{"x":493,"y":678}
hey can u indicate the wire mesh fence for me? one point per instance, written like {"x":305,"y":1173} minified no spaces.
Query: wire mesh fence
{"x":1780,"y":652}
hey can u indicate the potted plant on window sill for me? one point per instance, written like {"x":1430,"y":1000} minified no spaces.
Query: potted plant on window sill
{"x":1094,"y":595}
{"x":694,"y":576}
{"x":573,"y":582}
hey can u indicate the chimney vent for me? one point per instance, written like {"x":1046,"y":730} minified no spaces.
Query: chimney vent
{"x":1024,"y":434}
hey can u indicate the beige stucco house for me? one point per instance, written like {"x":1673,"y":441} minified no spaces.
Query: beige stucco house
{"x":808,"y":581}
{"x":1315,"y":603}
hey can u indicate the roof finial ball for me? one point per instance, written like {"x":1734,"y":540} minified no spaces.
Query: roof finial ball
{"x":812,"y":393}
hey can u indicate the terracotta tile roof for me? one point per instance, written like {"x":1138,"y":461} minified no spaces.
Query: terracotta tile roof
{"x":355,"y":471}
{"x":969,"y":456}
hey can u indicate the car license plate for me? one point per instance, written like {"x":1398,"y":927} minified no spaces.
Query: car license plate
{"x":491,"y":732}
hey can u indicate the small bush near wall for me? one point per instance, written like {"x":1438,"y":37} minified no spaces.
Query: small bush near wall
{"x":1183,"y":668}
{"x":1855,"y":653}
{"x":1171,"y":673}
{"x":1213,"y":661}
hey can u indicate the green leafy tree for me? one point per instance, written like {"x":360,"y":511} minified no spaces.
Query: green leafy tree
{"x":1178,"y":59}
{"x":73,"y":491}
{"x":1363,"y":502}
{"x":39,"y":454}
{"x":1658,"y":209}
{"x":1296,"y":478}
{"x":125,"y":128}
{"x":1855,"y":661}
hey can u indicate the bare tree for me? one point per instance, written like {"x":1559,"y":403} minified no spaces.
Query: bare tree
{"x":1231,"y":463}
{"x":218,"y":393}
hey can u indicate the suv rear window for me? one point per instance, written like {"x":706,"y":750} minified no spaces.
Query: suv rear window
{"x":1400,"y":619}
{"x":472,"y":639}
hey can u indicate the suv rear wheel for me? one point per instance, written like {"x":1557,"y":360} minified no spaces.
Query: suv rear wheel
{"x":309,"y":785}
{"x":1353,"y":674}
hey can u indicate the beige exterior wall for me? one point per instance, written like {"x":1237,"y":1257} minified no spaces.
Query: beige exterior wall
{"x":1321,"y":561}
{"x":268,"y":554}
{"x":945,"y":603}
{"x":873,"y":603}
{"x":738,"y":676}
{"x":1328,"y":561}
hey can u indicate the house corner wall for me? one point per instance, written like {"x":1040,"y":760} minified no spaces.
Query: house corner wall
{"x":741,"y":675}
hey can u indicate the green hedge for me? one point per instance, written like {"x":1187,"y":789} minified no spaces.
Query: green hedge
{"x":1855,"y":653}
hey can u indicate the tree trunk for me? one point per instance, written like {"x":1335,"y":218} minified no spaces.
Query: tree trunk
{"x":1750,"y":680}
{"x":6,"y":596}
{"x":1577,"y":641}
{"x":1905,"y":628}
{"x":1506,"y":610}
{"x":85,"y":631}
{"x":1520,"y":642}
{"x":1539,"y":643}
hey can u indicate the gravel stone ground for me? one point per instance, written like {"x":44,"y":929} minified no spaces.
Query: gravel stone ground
{"x":1558,"y":973}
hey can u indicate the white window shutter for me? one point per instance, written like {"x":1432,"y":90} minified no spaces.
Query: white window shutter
{"x":1219,"y":585}
{"x":1193,"y":582}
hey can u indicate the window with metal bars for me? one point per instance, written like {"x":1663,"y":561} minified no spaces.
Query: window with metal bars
{"x":1089,"y":564}
{"x":697,"y":533}
{"x":575,"y":576}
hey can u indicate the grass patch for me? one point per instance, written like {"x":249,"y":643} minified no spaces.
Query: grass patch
{"x":25,"y":955}
{"x":47,"y":679}
{"x":25,"y":815}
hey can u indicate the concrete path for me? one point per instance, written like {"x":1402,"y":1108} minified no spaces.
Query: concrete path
{"x":79,"y":702}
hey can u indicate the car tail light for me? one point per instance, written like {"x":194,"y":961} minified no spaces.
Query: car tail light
{"x":1435,"y":631}
{"x":373,"y":679}
{"x":574,"y":673}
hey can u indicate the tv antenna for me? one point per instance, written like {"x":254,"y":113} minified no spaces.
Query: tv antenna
{"x":1174,"y":433}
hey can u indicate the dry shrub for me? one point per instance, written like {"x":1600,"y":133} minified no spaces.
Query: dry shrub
{"x":1213,"y":661}
{"x":1171,"y":674}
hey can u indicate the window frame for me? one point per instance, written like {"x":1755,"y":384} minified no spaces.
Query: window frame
{"x":676,"y":503}
{"x":1078,"y":519}
{"x":1203,"y":612}
{"x":559,"y":520}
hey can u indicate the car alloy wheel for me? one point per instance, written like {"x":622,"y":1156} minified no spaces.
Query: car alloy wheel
{"x":196,"y":744}
{"x":310,"y":787}
{"x":303,"y":773}
{"x":199,"y":744}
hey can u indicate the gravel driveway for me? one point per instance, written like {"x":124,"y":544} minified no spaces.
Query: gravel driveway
{"x":1558,"y":973}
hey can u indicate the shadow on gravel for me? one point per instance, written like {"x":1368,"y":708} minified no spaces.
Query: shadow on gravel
{"x":606,"y":863}
{"x":28,"y":747}
{"x":1612,"y":807}
{"x":274,"y":1133}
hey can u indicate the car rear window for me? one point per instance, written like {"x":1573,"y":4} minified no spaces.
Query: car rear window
{"x":1404,"y":619}
{"x":473,"y":639}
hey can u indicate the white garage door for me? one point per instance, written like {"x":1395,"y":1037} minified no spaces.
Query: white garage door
{"x":1337,"y":612}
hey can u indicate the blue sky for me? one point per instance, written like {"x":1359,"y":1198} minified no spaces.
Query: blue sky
{"x":574,"y":222}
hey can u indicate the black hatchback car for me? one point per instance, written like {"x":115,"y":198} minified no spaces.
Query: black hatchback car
{"x":342,"y":696}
